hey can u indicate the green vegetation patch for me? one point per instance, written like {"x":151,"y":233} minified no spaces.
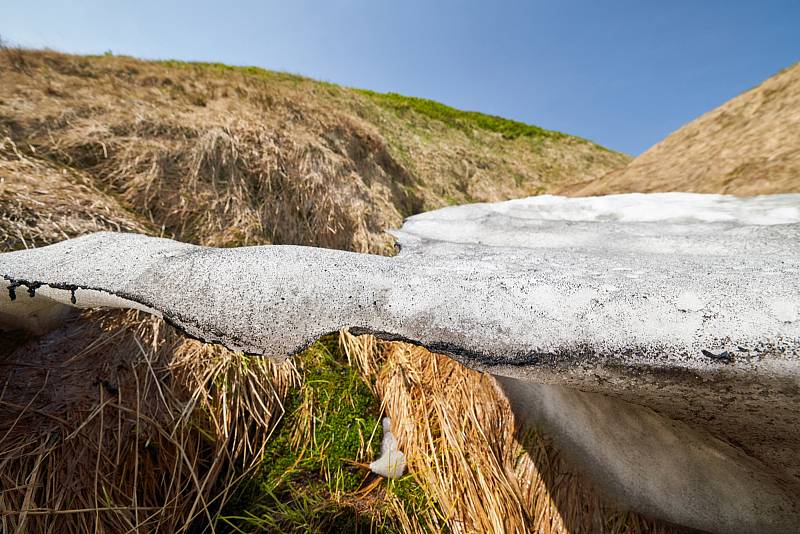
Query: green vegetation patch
{"x":332,"y":420}
{"x":464,"y":120}
{"x":314,"y":475}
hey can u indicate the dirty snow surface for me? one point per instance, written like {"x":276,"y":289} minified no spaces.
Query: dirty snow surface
{"x":679,"y":279}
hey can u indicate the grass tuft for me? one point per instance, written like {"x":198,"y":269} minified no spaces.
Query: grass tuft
{"x":316,"y":462}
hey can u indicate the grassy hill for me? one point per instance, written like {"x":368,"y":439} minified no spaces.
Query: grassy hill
{"x":239,"y":155}
{"x":750,"y":145}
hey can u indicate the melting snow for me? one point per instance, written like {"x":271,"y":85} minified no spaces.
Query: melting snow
{"x":640,"y":207}
{"x":392,"y":463}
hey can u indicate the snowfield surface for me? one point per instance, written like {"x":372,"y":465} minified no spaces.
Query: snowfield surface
{"x":684,"y":303}
{"x":639,"y":207}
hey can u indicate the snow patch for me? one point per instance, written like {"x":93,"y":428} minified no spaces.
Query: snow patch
{"x":392,"y":463}
{"x":637,"y":207}
{"x":652,"y":223}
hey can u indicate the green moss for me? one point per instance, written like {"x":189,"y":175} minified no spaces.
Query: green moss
{"x":413,"y":497}
{"x":343,"y":413}
{"x":307,"y":512}
{"x":314,"y":487}
{"x":300,"y":485}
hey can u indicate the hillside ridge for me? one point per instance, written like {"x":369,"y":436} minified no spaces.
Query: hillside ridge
{"x":749,"y":145}
{"x":279,"y":157}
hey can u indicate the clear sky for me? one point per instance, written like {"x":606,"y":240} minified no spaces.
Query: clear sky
{"x":622,"y":73}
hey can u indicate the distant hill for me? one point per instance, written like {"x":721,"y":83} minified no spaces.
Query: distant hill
{"x":232,"y":156}
{"x":749,"y":145}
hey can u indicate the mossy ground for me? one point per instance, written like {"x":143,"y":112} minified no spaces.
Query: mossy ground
{"x":314,"y":475}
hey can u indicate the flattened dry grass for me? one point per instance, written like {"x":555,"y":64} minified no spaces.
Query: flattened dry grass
{"x":38,"y":200}
{"x":114,"y":423}
{"x":481,"y":471}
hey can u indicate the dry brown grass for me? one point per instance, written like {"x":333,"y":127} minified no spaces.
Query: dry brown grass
{"x":237,"y":185}
{"x":114,"y":423}
{"x":748,"y":146}
{"x":484,"y":472}
{"x":38,"y":203}
{"x":233,"y":157}
{"x":127,"y":426}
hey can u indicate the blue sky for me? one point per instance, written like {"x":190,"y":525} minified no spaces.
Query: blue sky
{"x":622,"y":73}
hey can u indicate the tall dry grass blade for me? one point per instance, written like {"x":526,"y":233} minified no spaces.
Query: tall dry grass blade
{"x":189,"y":421}
{"x":463,"y":448}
